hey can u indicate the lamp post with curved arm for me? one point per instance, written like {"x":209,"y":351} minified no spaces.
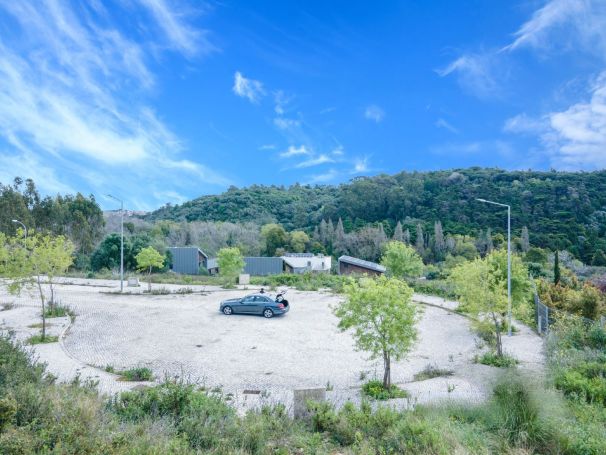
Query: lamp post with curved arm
{"x":508,"y":259}
{"x":121,"y":240}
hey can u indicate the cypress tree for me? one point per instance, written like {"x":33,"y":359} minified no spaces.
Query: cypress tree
{"x":556,"y":268}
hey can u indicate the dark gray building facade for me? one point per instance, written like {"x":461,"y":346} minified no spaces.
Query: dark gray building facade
{"x":188,"y":260}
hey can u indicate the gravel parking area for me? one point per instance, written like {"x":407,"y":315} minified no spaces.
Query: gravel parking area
{"x":186,"y":336}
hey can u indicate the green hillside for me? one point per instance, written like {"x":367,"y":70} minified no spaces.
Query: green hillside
{"x":565,"y":210}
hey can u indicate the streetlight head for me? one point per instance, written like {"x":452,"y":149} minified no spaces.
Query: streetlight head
{"x":15,"y":221}
{"x":481,"y":200}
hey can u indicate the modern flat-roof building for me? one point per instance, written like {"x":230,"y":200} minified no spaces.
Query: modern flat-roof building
{"x":306,"y":262}
{"x":349,"y":265}
{"x":188,"y":260}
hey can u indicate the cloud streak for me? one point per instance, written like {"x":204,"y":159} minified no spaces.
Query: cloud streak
{"x":248,"y":88}
{"x":73,"y":93}
{"x":374,"y":113}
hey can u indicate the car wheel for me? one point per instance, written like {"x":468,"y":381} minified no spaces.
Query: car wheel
{"x":227,"y":310}
{"x":268,"y":313}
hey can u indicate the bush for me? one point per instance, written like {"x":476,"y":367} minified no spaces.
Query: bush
{"x":492,"y":359}
{"x":432,"y":371}
{"x":375,"y":389}
{"x":57,"y":311}
{"x":586,"y":382}
{"x":37,"y":339}
{"x":137,"y":374}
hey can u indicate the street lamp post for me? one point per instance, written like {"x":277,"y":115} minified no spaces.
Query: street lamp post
{"x":508,"y":259}
{"x":121,"y":240}
{"x":24,"y":230}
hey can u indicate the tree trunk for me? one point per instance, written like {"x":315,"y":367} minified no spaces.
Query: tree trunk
{"x":498,"y":336}
{"x":387,"y":370}
{"x":43,"y":309}
{"x":51,"y":303}
{"x":149,"y":280}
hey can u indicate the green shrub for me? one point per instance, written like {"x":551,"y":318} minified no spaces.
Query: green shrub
{"x":587,"y":382}
{"x":137,"y":374}
{"x":38,"y":339}
{"x":432,"y":371}
{"x":57,"y":311}
{"x":492,"y":359}
{"x":375,"y":389}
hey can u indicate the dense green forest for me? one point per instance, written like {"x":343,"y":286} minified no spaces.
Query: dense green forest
{"x":562,"y":210}
{"x":76,"y":217}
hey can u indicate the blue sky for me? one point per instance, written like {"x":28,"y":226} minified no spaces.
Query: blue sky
{"x":161,"y":101}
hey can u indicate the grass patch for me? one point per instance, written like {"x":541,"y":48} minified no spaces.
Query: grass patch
{"x":490,"y":358}
{"x":158,"y":291}
{"x":57,"y":311}
{"x":37,"y":339}
{"x":185,"y":290}
{"x":374,"y":389}
{"x":38,"y":325}
{"x":432,"y":371}
{"x":136,"y":374}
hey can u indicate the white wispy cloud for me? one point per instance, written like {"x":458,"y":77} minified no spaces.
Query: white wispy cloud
{"x":315,"y":161}
{"x":73,"y":95}
{"x":173,"y":19}
{"x":360,"y":165}
{"x":325,"y":177}
{"x":267,"y":147}
{"x":286,"y":123}
{"x":474,"y":73}
{"x":295,"y":151}
{"x":574,"y":138}
{"x":281,"y":101}
{"x":248,"y":88}
{"x":523,"y":123}
{"x":374,"y":113}
{"x":561,"y":23}
{"x":441,"y":123}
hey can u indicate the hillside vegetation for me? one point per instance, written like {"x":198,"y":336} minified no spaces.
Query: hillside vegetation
{"x":562,"y":210}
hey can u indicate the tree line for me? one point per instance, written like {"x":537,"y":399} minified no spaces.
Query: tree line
{"x":562,"y":210}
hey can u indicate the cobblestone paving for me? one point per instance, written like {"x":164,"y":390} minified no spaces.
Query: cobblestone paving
{"x":186,"y":336}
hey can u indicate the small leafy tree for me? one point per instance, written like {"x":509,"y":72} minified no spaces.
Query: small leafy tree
{"x":482,"y":288}
{"x":381,"y":313}
{"x":147,"y":259}
{"x":230,"y":263}
{"x":298,"y":241}
{"x":33,"y":262}
{"x":401,"y":260}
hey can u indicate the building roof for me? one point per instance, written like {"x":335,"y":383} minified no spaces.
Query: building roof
{"x":362,"y":263}
{"x":301,"y":261}
{"x":212,"y":263}
{"x":189,"y":248}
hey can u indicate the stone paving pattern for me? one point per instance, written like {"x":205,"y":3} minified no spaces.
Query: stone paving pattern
{"x":186,"y":336}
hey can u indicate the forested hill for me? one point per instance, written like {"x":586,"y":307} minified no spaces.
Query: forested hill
{"x":560,"y":209}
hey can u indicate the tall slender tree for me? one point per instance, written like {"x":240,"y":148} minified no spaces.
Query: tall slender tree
{"x":525,"y":240}
{"x":420,"y":240}
{"x":398,"y":234}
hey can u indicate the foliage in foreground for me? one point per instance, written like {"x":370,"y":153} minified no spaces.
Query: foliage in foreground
{"x":39,"y":416}
{"x":375,"y":389}
{"x":382,"y":317}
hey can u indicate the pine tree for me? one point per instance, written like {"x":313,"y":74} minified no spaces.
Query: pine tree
{"x":397,"y":233}
{"x":340,"y":245}
{"x":438,"y":241}
{"x":525,"y":240}
{"x":407,"y":237}
{"x":557,"y":274}
{"x":420,"y":241}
